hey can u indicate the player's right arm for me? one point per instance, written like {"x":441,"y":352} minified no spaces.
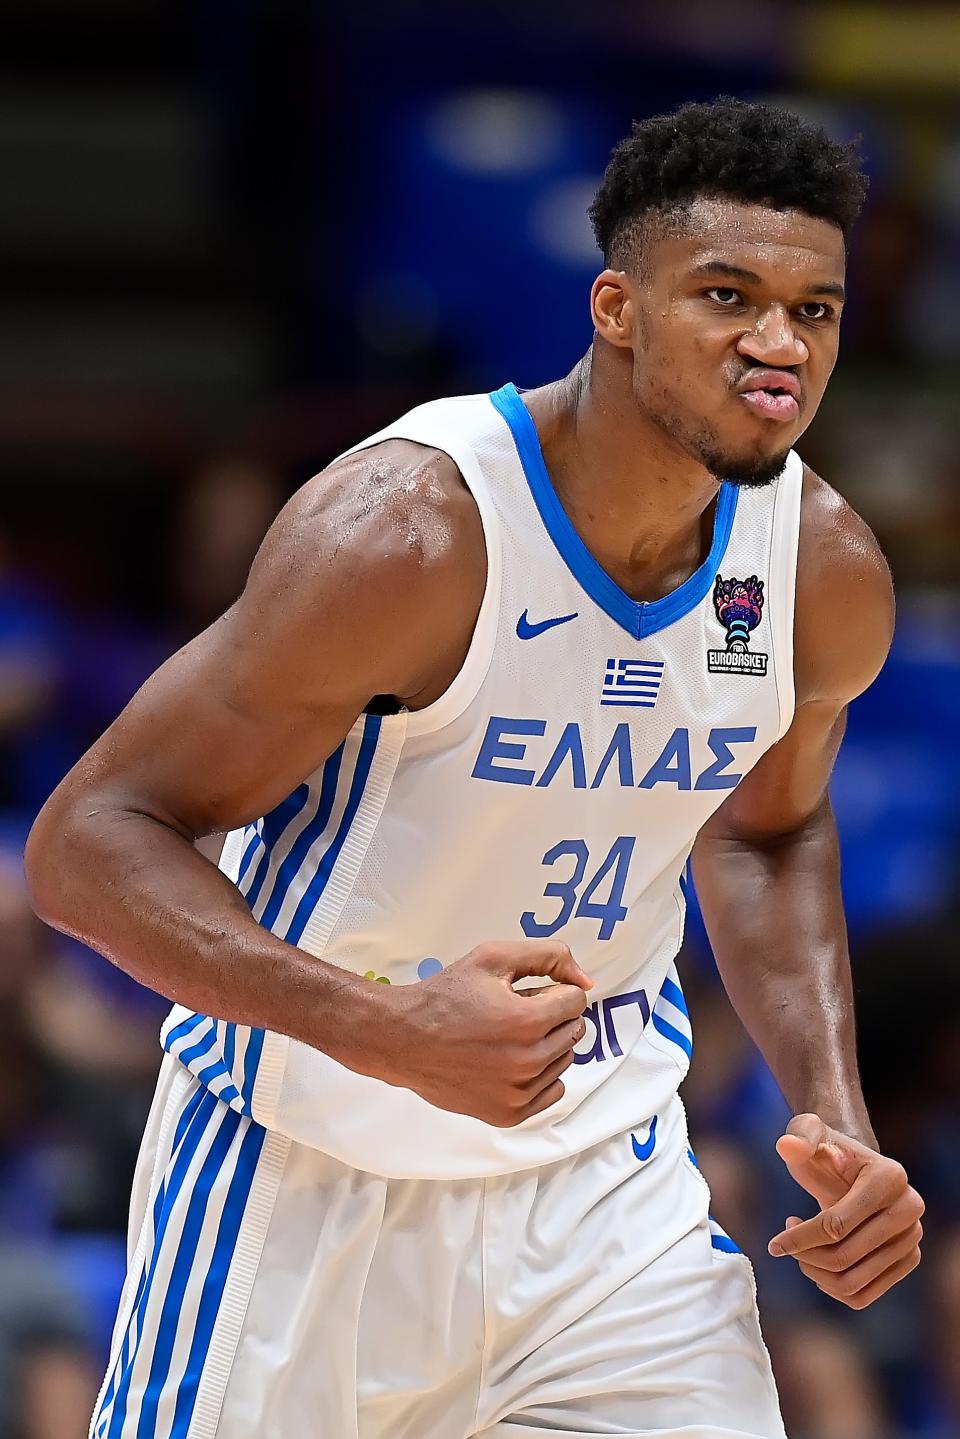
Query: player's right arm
{"x":368,"y":583}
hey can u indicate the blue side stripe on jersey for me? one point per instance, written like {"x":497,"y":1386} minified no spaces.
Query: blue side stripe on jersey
{"x":253,"y":843}
{"x":310,"y":900}
{"x":251,"y":1064}
{"x":214,"y":1071}
{"x":181,"y":1030}
{"x":205,"y":1110}
{"x":183,"y":1124}
{"x":294,"y":931}
{"x":274,"y":825}
{"x":290,"y":868}
{"x":724,"y":1243}
{"x":230,"y":1046}
{"x":203,"y":1045}
{"x":175,"y":1295}
{"x":124,"y":1355}
{"x":216,"y":1278}
{"x":674,"y":994}
{"x":638,"y":618}
{"x":668,"y":1032}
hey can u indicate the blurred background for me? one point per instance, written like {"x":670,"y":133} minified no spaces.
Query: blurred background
{"x":237,"y":236}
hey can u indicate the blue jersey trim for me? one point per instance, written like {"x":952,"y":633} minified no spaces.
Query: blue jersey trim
{"x":200,"y":1120}
{"x":317,"y":885}
{"x":721,"y":1240}
{"x":272,"y":828}
{"x":674,"y":995}
{"x":638,"y":617}
{"x":215,"y":1282}
{"x":271,"y":899}
{"x":175,"y":1290}
{"x":253,"y":843}
{"x":186,"y":1119}
{"x":669,"y":1032}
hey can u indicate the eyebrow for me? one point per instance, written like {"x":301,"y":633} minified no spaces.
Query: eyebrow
{"x":750,"y":277}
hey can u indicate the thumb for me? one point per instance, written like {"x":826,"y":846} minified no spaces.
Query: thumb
{"x":800,"y":1150}
{"x":525,"y":959}
{"x":802,"y":1138}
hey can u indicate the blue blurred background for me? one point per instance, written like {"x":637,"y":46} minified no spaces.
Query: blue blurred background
{"x":236,"y":237}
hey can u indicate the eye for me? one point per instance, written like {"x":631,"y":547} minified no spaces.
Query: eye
{"x":825,"y":312}
{"x":725,"y":296}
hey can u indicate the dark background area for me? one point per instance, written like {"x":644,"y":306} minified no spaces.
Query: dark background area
{"x":235,"y":238}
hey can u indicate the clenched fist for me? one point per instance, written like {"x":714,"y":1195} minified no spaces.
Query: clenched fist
{"x":466,"y":1040}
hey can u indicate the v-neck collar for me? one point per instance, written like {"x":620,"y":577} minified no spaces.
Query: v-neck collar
{"x":638,"y":617}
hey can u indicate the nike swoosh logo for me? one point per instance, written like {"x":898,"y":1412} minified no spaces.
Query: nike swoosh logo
{"x":528,"y":631}
{"x":644,"y":1150}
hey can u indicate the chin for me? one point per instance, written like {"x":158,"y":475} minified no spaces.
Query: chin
{"x":750,"y":471}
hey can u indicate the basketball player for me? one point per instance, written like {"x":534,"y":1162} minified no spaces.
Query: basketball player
{"x":495,"y":675}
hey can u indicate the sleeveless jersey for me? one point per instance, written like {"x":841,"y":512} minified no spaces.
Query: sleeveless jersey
{"x":555,"y":789}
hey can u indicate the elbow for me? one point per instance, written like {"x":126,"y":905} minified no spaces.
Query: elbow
{"x":51,"y":856}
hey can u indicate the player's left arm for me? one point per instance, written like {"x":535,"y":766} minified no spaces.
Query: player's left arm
{"x":767,"y":873}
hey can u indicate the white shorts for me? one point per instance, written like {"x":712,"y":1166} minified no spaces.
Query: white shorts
{"x":273,"y":1293}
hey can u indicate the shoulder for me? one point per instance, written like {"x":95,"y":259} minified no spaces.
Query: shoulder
{"x":394,"y":509}
{"x":386,"y":547}
{"x":845,"y":599}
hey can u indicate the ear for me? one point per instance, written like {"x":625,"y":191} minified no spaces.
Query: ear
{"x":612,"y":307}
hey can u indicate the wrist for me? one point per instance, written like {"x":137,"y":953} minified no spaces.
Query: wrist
{"x":358,"y":1022}
{"x":849,"y":1119}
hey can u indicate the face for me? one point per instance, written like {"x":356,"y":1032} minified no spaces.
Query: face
{"x":733,"y":331}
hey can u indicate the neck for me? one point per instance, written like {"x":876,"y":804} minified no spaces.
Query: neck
{"x":641,"y":505}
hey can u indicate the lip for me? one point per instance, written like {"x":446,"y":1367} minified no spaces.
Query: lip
{"x":770,"y":380}
{"x":756,"y":390}
{"x":772,"y":407}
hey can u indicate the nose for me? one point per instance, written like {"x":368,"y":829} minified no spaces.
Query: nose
{"x":773,"y":340}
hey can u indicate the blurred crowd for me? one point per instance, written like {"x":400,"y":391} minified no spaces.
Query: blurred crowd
{"x":279,"y":242}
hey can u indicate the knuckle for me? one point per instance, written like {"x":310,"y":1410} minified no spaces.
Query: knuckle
{"x":834,"y":1225}
{"x":527,"y":1025}
{"x":843,"y":1286}
{"x":916,"y":1203}
{"x":897,"y":1175}
{"x":838,"y":1260}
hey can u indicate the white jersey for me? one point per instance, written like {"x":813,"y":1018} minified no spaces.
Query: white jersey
{"x":555,"y":789}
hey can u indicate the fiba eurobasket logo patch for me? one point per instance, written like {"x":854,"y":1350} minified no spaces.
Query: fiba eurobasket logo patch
{"x":739,"y":607}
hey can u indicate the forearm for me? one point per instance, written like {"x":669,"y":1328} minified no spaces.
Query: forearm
{"x":774,"y":914}
{"x":137,"y":891}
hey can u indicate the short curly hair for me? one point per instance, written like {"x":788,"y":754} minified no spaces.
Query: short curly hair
{"x":723,"y":148}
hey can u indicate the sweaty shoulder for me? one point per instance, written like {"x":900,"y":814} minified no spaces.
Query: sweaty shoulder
{"x":845,"y":600}
{"x":387,"y":546}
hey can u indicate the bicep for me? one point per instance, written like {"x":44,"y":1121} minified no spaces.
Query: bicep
{"x":222,"y":732}
{"x":358,"y":590}
{"x":789,"y":783}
